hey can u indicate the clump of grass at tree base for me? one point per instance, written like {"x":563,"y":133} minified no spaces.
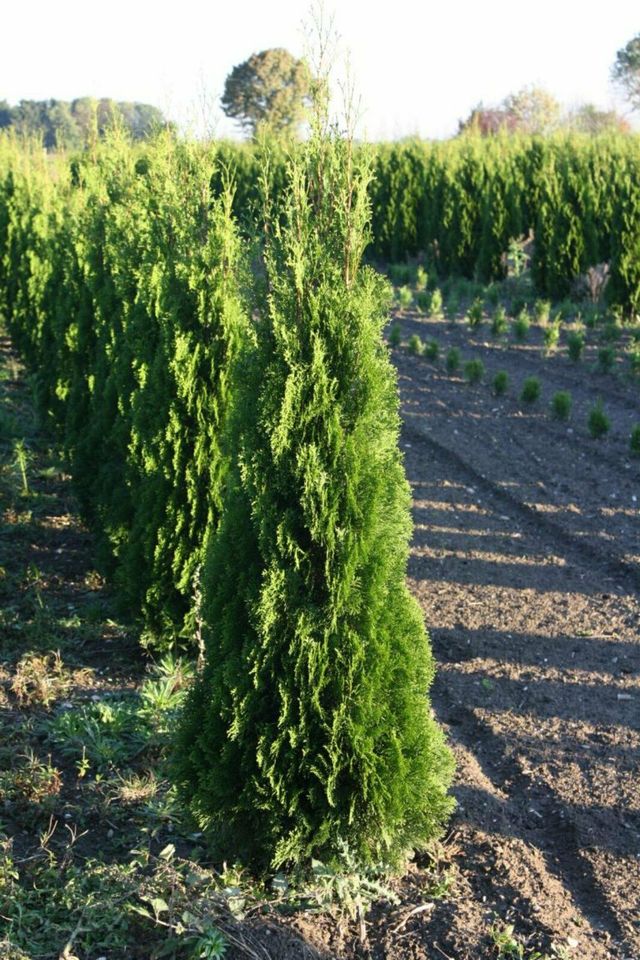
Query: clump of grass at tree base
{"x":432,"y":350}
{"x":415,"y":346}
{"x":499,"y":322}
{"x":475,"y":313}
{"x":598,"y":422}
{"x":395,"y":335}
{"x":474,"y":370}
{"x":606,"y":359}
{"x":453,"y":360}
{"x":575,"y":345}
{"x":634,"y":440}
{"x":561,"y":405}
{"x":521,"y":325}
{"x":530,"y":390}
{"x":500,"y":383}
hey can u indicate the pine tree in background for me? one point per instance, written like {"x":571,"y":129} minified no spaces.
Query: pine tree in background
{"x":310,"y":727}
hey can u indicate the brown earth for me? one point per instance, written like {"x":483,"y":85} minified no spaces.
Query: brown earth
{"x":526,"y":561}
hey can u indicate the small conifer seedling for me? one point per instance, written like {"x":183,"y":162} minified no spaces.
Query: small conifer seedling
{"x":521,"y":326}
{"x":598,"y":422}
{"x":453,"y":360}
{"x":405,"y":297}
{"x":423,"y":301}
{"x":541,"y":311}
{"x":474,"y":370}
{"x":475,"y":313}
{"x":415,"y":346}
{"x":395,"y":335}
{"x":551,"y":336}
{"x":422,"y":279}
{"x":499,"y":322}
{"x":501,"y":383}
{"x":606,"y":359}
{"x":561,"y":405}
{"x":432,"y":350}
{"x":530,"y":390}
{"x":435,"y":305}
{"x":575,"y":345}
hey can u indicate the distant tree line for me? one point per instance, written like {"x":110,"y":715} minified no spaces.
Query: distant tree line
{"x":73,"y":124}
{"x":534,"y":111}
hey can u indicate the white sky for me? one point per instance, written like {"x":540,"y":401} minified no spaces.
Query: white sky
{"x":419,"y":67}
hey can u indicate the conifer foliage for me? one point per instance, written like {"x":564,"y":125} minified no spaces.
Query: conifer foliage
{"x":310,"y":726}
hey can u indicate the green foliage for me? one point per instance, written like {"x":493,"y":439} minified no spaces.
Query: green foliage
{"x":400,"y":274}
{"x":120,"y":278}
{"x":634,"y":440}
{"x":395,"y":335}
{"x":551,"y":336}
{"x":76,"y":124}
{"x":435,"y":305}
{"x":475,"y":313}
{"x":500,"y":383}
{"x":499,"y":322}
{"x":634,"y":361}
{"x":422,"y":279}
{"x":626,"y":71}
{"x":575,"y":345}
{"x":542,"y":311}
{"x":271,"y":92}
{"x":521,"y":325}
{"x":432,"y":350}
{"x":598,"y":422}
{"x":606,"y":359}
{"x":474,"y":370}
{"x":561,"y":405}
{"x":530,"y":390}
{"x":404,"y":297}
{"x":415,"y":345}
{"x":423,"y":301}
{"x":309,"y":729}
{"x":453,"y":360}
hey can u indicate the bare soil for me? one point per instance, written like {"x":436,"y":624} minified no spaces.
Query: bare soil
{"x":526,"y":561}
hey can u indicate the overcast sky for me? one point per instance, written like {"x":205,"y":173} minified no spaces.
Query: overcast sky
{"x":419,"y":66}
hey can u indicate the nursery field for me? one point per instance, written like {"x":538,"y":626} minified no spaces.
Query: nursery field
{"x":528,"y":579}
{"x":525,"y":559}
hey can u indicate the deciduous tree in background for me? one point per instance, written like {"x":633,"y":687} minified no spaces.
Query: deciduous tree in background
{"x":271,"y":90}
{"x":626,"y":71}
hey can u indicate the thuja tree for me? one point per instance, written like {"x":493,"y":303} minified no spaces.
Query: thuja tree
{"x":309,"y":729}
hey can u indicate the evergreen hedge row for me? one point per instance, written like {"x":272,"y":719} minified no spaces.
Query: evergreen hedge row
{"x":233,"y":435}
{"x":461,"y":202}
{"x":119,"y":282}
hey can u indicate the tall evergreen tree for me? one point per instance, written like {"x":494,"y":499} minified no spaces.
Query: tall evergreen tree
{"x":310,"y":726}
